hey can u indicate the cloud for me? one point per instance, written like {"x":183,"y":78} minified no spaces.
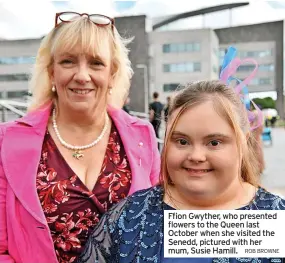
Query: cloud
{"x":257,"y":11}
{"x":104,"y":7}
{"x":34,"y":18}
{"x":26,"y":19}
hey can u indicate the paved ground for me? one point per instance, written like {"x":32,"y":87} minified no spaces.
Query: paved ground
{"x":274,"y":174}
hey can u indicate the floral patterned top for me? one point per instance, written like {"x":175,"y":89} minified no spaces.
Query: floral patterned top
{"x":133,"y":231}
{"x":70,"y":208}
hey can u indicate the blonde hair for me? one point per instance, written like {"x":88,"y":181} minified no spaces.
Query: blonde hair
{"x":88,"y":36}
{"x":228,"y":104}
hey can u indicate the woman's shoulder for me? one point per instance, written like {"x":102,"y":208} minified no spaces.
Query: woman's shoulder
{"x":138,"y":119}
{"x":265,"y":200}
{"x":150,"y":195}
{"x":128,"y":118}
{"x":4,"y":126}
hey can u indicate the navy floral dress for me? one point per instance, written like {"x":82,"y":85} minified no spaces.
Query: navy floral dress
{"x":132,"y":231}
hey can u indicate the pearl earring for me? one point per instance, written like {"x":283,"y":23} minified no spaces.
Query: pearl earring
{"x":110,"y":91}
{"x":53,"y":89}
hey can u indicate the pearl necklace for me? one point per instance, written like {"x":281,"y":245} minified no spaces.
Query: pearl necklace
{"x":77,"y":149}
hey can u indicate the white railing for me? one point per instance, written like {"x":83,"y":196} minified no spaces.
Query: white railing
{"x":14,"y":103}
{"x":12,"y":106}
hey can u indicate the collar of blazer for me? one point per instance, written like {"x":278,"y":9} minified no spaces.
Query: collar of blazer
{"x":21,"y":152}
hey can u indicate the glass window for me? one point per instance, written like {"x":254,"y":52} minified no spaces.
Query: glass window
{"x":166,"y":68}
{"x":166,"y":48}
{"x":254,"y":82}
{"x":14,"y":77}
{"x":189,"y":67}
{"x":181,"y":47}
{"x":265,"y":81}
{"x":189,"y":47}
{"x":173,"y":68}
{"x":261,"y":81}
{"x":246,"y":68}
{"x":266,"y":67}
{"x":170,"y":87}
{"x":182,"y":67}
{"x":173,"y":48}
{"x":196,"y":46}
{"x":265,"y":53}
{"x":16,"y":94}
{"x":197,"y":66}
{"x":252,"y":54}
{"x":17,"y":60}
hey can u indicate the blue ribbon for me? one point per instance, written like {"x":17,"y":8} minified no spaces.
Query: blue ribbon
{"x":229,"y":56}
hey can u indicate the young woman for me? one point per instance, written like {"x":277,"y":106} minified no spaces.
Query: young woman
{"x":208,"y":163}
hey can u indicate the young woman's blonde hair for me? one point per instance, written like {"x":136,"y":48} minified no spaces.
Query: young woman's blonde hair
{"x":229,"y":105}
{"x":84,"y":34}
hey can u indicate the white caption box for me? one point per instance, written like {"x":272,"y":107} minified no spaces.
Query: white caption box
{"x":224,"y":233}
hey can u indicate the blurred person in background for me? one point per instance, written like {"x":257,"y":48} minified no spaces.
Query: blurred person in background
{"x":206,"y":165}
{"x":70,"y":158}
{"x":166,"y":108}
{"x":156,"y":108}
{"x":126,"y":106}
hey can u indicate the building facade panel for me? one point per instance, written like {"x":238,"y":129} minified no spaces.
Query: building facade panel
{"x":265,"y":32}
{"x":180,"y":57}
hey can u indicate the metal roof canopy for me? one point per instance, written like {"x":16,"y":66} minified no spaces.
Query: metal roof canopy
{"x":202,"y":11}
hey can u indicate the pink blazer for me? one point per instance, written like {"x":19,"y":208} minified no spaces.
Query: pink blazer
{"x":24,"y":233}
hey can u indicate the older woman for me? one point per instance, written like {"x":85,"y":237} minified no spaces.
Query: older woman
{"x":76,"y":153}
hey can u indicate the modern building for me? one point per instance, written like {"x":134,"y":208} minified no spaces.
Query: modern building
{"x":178,"y":57}
{"x":16,"y":60}
{"x":261,"y":53}
{"x":265,"y":43}
{"x":162,"y":59}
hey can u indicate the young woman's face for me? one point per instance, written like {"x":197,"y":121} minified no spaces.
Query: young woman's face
{"x":81,"y":80}
{"x":202,"y":154}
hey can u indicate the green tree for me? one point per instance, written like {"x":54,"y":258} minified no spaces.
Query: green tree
{"x":265,"y":103}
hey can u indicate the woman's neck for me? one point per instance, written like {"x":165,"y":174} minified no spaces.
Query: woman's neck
{"x":80,"y":122}
{"x":237,"y":195}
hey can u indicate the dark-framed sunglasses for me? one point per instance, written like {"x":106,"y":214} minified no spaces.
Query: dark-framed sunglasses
{"x":97,"y":19}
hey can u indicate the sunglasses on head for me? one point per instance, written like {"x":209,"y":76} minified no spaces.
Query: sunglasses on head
{"x":97,"y":19}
